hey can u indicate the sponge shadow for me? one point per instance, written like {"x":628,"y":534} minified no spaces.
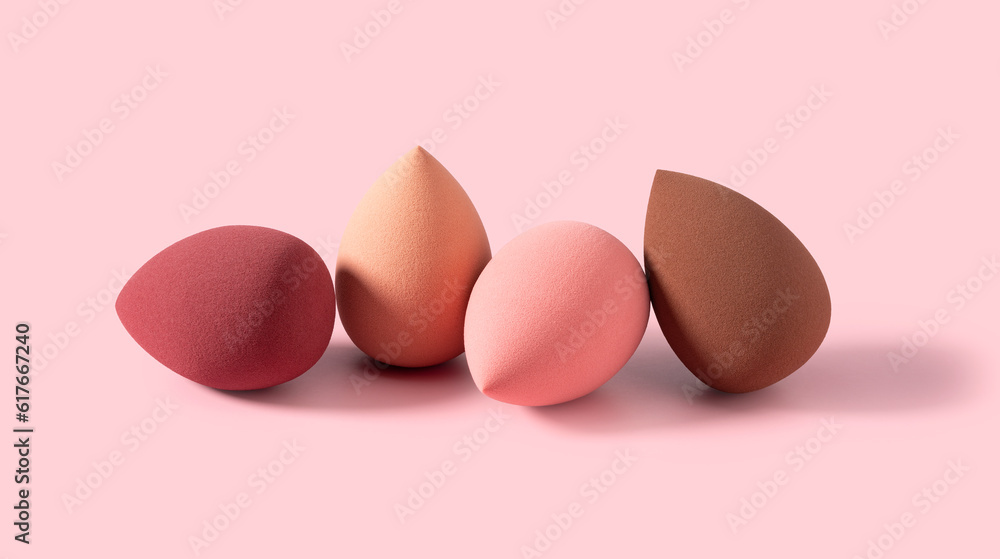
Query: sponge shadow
{"x":346,"y":379}
{"x":654,"y":390}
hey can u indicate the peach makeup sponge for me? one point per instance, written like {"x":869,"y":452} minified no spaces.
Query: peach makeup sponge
{"x":559,"y":311}
{"x":738,"y":297}
{"x":236,"y":308}
{"x":408,"y":259}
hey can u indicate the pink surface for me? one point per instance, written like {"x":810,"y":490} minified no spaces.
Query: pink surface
{"x":556,"y":313}
{"x":588,"y":110}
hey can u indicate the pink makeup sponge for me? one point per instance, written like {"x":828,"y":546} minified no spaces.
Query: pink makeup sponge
{"x":408,"y":259}
{"x":738,"y":297}
{"x":235,"y":308}
{"x":556,"y":313}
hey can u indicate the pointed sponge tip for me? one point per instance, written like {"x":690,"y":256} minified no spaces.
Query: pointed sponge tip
{"x":410,"y":254}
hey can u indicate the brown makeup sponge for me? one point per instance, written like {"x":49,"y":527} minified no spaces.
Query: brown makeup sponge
{"x":738,"y":297}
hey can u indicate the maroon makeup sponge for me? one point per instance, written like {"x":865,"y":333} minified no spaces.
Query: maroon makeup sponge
{"x":738,"y":297}
{"x":236,"y":308}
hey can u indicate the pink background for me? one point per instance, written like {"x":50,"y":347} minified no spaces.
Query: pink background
{"x":61,"y":241}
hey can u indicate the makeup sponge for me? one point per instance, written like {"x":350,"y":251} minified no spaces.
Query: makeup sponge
{"x":236,"y":307}
{"x":556,"y":313}
{"x":738,"y":297}
{"x":411,"y":252}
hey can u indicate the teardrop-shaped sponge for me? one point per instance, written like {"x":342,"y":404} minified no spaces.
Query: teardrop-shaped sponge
{"x":739,"y":298}
{"x":236,"y":307}
{"x":408,"y":259}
